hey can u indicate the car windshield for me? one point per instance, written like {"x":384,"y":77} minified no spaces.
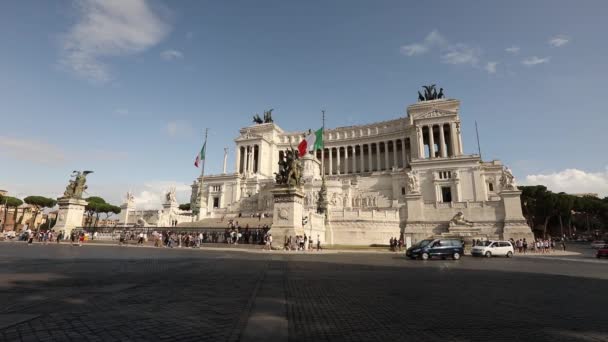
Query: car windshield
{"x":484,"y":243}
{"x":423,"y":243}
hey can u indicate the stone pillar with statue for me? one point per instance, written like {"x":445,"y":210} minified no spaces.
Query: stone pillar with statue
{"x":288,"y":199}
{"x":515,"y":225}
{"x":71,"y":205}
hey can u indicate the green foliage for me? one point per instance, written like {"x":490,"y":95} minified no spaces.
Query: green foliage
{"x":540,"y":206}
{"x":97,"y":206}
{"x":95,"y":199}
{"x":11,"y":202}
{"x":185,"y":206}
{"x":40,"y":201}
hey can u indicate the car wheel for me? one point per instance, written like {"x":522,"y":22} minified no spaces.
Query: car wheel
{"x":509,"y":254}
{"x":425,"y":256}
{"x":488,"y":254}
{"x":456,"y":256}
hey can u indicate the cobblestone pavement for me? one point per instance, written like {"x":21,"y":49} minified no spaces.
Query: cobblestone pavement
{"x":100,"y":293}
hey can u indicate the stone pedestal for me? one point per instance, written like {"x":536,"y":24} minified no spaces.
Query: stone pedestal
{"x":287,"y":214}
{"x":411,"y":217}
{"x":69,"y":216}
{"x":515,"y":225}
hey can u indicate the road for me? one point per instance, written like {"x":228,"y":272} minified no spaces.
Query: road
{"x":108,"y":293}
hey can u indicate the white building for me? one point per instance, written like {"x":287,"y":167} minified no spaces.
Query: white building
{"x":404,"y":176}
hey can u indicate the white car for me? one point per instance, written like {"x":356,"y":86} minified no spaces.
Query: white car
{"x":493,"y":248}
{"x":598,"y":244}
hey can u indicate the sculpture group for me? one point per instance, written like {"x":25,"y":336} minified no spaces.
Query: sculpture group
{"x":430,"y":93}
{"x":77,"y":185}
{"x":290,"y":169}
{"x":267,"y":117}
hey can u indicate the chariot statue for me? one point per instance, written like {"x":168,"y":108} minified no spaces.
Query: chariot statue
{"x":77,"y":185}
{"x":459,"y":220}
{"x":267,"y":117}
{"x":430,"y":93}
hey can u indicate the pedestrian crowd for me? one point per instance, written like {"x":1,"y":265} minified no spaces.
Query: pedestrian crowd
{"x":301,"y":243}
{"x":396,"y":244}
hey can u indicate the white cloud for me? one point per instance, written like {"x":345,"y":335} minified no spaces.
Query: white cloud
{"x":513,"y":49}
{"x":178,"y":127}
{"x":31,"y":150}
{"x":170,"y":55}
{"x":414,"y":49}
{"x":450,"y":53}
{"x":531,"y":61}
{"x":433,"y":39}
{"x":109,"y":28}
{"x":491,"y":67}
{"x":573,"y":181}
{"x":559,"y":40}
{"x":151,"y":194}
{"x":461,"y":54}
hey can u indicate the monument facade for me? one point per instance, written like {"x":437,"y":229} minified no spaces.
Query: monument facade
{"x":405,"y":177}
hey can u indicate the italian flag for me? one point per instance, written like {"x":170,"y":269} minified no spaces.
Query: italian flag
{"x":313,"y":142}
{"x":201,"y":155}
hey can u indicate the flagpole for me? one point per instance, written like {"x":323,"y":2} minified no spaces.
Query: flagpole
{"x":205,"y":157}
{"x":478,"y":145}
{"x":323,"y":137}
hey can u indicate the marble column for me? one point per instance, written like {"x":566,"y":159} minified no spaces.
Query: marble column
{"x":338,"y":163}
{"x":322,"y":161}
{"x":346,"y":159}
{"x":420,"y":133}
{"x":331,"y":157}
{"x":362,"y":159}
{"x":460,"y":147}
{"x":386,"y":159}
{"x":395,"y":161}
{"x":431,"y":142}
{"x":453,"y":141}
{"x":354,"y":159}
{"x":238,"y":159}
{"x":369,"y":158}
{"x":444,"y":153}
{"x":404,"y":155}
{"x":378,"y":156}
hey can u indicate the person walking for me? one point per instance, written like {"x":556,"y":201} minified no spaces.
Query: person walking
{"x":318,"y":243}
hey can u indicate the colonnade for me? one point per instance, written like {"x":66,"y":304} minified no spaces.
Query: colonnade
{"x":248,"y":159}
{"x":366,"y":157}
{"x":439,"y":140}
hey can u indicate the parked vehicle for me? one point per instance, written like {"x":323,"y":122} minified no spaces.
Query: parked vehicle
{"x":602,"y":252}
{"x":598,"y":244}
{"x":428,"y":248}
{"x":493,"y":248}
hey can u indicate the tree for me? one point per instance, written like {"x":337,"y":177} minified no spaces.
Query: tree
{"x":39,"y":202}
{"x":93,"y":207}
{"x":97,"y":206}
{"x":10,"y":202}
{"x":185,"y":206}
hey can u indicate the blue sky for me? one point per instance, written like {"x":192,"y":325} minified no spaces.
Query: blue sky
{"x":126,"y":88}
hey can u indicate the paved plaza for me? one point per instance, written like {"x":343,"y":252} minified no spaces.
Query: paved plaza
{"x":108,"y":293}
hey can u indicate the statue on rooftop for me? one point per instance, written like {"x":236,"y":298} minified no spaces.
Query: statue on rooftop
{"x":430,"y":93}
{"x":267,"y":117}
